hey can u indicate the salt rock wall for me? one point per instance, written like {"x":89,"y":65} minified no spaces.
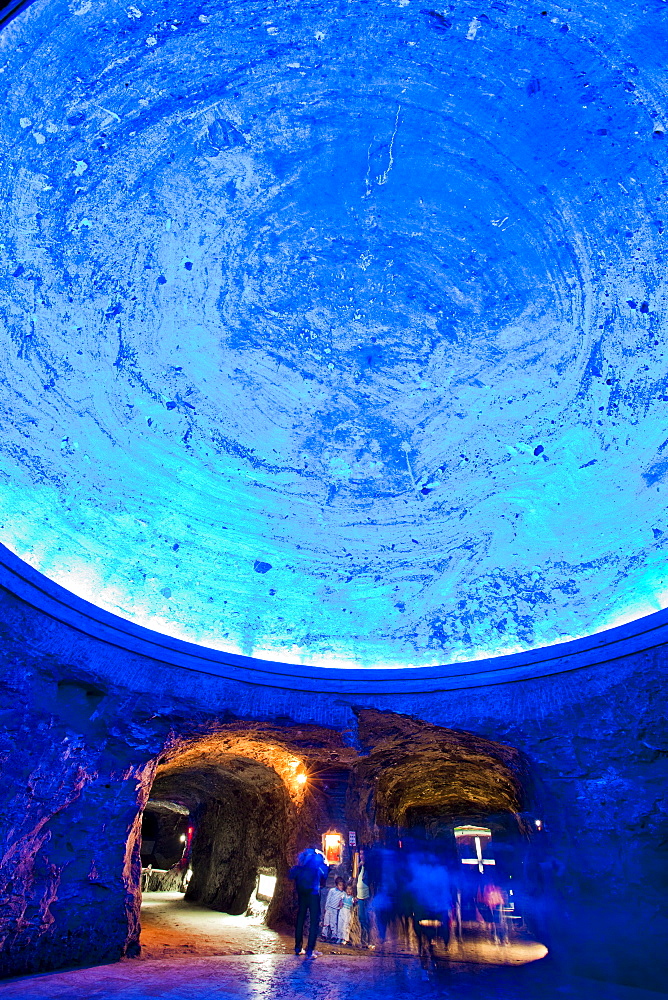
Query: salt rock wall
{"x":73,"y":781}
{"x":406,"y":761}
{"x":83,"y":723}
{"x":79,"y":756}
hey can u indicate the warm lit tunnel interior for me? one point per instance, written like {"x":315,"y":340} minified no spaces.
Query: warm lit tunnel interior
{"x":240,"y":815}
{"x":228,"y":813}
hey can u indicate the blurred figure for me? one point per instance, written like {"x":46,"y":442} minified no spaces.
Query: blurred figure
{"x":490,"y":901}
{"x":404,"y":897}
{"x":383,"y":875}
{"x":307,"y":875}
{"x":430,"y":891}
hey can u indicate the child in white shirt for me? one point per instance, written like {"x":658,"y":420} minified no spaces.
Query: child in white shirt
{"x":335,"y":897}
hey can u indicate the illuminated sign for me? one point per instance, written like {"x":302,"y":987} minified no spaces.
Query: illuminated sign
{"x":472,"y":843}
{"x":332,"y":844}
{"x":266,"y":885}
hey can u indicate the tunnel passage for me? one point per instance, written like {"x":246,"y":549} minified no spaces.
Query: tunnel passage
{"x":241,"y":798}
{"x":165,"y":845}
{"x":463,"y":803}
{"x":249,"y":800}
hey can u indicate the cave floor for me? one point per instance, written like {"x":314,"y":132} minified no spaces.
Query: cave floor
{"x":173,"y":928}
{"x":330,"y":977}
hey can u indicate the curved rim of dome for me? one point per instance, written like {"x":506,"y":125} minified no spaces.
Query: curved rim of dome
{"x":36,"y":590}
{"x":12,"y":9}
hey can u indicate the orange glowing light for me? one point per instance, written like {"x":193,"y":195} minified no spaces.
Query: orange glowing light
{"x":234,"y":746}
{"x":333,"y":848}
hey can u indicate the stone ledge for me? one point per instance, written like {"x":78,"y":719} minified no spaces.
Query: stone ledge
{"x":39,"y":592}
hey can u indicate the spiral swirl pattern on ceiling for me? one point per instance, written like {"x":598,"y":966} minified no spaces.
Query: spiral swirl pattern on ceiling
{"x":335,"y":332}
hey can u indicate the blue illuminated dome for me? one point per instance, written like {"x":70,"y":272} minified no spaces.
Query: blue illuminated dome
{"x":334,"y":332}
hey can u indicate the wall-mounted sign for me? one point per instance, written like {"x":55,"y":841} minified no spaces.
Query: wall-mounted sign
{"x":332,"y":845}
{"x":352,"y":838}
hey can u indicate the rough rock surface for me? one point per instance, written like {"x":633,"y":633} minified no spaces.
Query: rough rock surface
{"x":412,"y":768}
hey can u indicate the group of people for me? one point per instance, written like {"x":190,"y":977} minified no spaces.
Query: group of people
{"x":342,"y":900}
{"x":409,"y":886}
{"x":338,"y":912}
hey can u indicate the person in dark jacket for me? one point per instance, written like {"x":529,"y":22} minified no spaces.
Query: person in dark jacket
{"x":307,"y":874}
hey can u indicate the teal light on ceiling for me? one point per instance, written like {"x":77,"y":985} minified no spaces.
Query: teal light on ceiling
{"x":336,"y":333}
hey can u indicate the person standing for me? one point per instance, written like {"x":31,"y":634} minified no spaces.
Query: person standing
{"x":307,"y":875}
{"x":346,"y":915}
{"x":335,"y":896}
{"x":363,"y":901}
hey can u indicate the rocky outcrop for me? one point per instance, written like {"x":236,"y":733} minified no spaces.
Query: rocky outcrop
{"x":412,"y":770}
{"x":75,"y":779}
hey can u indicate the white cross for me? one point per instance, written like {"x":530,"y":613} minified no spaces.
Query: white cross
{"x":478,"y":860}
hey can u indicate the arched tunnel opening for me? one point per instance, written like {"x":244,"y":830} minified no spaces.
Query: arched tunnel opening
{"x":216,"y":832}
{"x":435,"y":822}
{"x":452,"y":816}
{"x":238,"y":813}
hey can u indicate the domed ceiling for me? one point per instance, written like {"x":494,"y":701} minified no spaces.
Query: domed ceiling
{"x":334,"y":332}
